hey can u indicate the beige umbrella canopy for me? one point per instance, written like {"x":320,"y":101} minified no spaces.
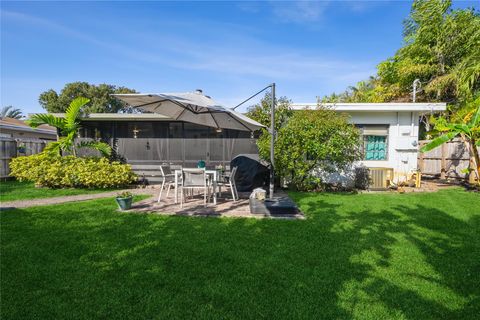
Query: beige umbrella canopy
{"x":191,"y":107}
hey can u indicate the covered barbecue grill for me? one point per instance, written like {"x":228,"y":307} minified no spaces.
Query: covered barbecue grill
{"x":251,"y":172}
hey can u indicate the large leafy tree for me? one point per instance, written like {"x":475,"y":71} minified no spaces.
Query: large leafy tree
{"x":313,"y":140}
{"x":99,"y":95}
{"x":11,"y":112}
{"x":261,"y":111}
{"x":441,"y":49}
{"x":306,"y":141}
{"x":68,"y":127}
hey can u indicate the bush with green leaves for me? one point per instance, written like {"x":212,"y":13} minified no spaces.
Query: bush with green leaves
{"x":71,"y":172}
{"x":309,"y":142}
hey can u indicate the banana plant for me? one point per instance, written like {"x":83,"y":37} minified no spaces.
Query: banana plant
{"x":468,"y":130}
{"x":68,"y":127}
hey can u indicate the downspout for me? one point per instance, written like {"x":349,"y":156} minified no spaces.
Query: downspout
{"x":398,"y":124}
{"x":412,"y":125}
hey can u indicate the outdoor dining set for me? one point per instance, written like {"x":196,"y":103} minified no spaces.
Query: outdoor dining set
{"x":191,"y":181}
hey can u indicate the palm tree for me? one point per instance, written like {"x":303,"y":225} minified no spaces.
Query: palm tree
{"x":468,"y":130}
{"x":11,"y":112}
{"x":68,"y":127}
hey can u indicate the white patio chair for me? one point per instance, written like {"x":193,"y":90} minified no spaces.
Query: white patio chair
{"x":194,"y":179}
{"x":229,"y":182}
{"x":168,"y":180}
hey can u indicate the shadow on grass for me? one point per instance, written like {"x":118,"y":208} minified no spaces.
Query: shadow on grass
{"x":352,"y":258}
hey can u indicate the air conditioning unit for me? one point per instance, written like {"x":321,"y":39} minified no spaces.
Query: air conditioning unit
{"x":380,"y":178}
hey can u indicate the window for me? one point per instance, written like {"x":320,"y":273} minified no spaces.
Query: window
{"x":96,"y":130}
{"x":374,"y":142}
{"x":195,"y":131}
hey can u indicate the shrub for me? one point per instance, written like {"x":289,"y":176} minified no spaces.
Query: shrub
{"x":311,"y":141}
{"x":69,"y":171}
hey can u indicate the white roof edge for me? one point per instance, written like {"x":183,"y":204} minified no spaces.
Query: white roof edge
{"x":27,"y":129}
{"x":379,"y":107}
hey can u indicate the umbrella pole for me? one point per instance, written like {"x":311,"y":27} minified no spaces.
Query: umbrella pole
{"x":272,"y":132}
{"x":272,"y":142}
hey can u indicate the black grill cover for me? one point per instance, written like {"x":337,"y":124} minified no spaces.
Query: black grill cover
{"x":251,"y":172}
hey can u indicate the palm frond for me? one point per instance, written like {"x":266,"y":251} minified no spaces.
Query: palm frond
{"x":476,"y":118}
{"x":10,"y":112}
{"x":102,"y":147}
{"x":42,"y":118}
{"x":73,"y":111}
{"x":68,"y":141}
{"x":461,"y":127}
{"x":53,"y":148}
{"x":439,"y":141}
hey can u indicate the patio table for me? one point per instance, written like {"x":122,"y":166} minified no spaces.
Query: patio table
{"x":213,"y":174}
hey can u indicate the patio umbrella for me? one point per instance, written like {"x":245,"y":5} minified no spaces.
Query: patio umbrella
{"x":191,"y":107}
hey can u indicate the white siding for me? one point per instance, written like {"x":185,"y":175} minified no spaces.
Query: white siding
{"x":402,"y":140}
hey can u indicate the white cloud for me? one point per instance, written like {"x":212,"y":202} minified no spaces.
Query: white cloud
{"x":237,"y":54}
{"x":299,"y":11}
{"x":223,"y":52}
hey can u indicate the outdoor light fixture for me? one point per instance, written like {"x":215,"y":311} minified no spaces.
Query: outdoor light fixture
{"x":135,"y":132}
{"x":218,"y":130}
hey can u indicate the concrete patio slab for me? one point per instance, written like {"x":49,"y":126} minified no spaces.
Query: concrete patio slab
{"x":194,"y":207}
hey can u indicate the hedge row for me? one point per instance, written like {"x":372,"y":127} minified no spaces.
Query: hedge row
{"x":69,"y":171}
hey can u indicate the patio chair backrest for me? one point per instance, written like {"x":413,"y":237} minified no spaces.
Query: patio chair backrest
{"x":194,"y":178}
{"x":232,"y":173}
{"x":165,"y":170}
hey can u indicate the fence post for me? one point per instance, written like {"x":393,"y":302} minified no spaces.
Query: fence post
{"x":471,"y":166}
{"x":421,"y":161}
{"x":443,"y":162}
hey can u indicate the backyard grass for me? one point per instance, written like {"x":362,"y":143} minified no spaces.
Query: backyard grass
{"x":368,"y":256}
{"x":15,"y":190}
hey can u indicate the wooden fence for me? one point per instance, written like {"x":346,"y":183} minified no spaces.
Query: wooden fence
{"x":11,"y":148}
{"x":446,"y":161}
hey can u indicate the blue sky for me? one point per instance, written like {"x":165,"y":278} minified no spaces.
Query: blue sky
{"x":228,"y":49}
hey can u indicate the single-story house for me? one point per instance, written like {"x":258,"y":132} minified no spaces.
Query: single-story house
{"x":390,"y":134}
{"x":18,"y":129}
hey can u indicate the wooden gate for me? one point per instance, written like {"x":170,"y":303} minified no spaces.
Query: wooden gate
{"x":11,"y":148}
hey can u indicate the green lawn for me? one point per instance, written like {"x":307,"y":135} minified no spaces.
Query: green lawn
{"x":368,"y":256}
{"x":14,"y":190}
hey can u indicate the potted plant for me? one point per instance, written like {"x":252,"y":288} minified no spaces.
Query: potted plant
{"x":124,"y":200}
{"x":21,"y":148}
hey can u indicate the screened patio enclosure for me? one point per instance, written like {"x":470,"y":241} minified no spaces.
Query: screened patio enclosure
{"x":165,"y":141}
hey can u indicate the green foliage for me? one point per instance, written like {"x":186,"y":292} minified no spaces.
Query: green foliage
{"x":468,"y":130}
{"x":68,"y":127}
{"x":306,"y":141}
{"x":261,"y":112}
{"x":441,"y":49}
{"x":10,"y":112}
{"x":124,"y":194}
{"x":99,"y":95}
{"x":71,"y":172}
{"x":312,"y":140}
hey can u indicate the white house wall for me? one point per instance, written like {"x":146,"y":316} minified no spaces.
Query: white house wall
{"x":402,"y":140}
